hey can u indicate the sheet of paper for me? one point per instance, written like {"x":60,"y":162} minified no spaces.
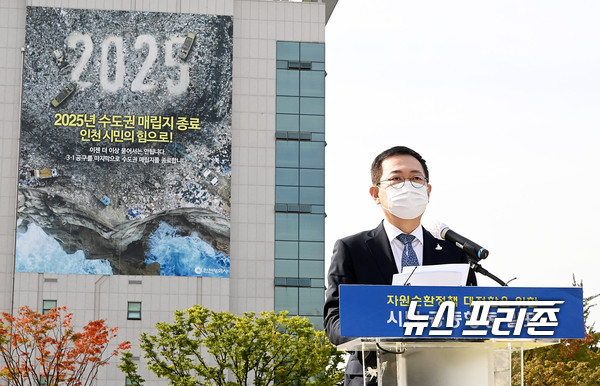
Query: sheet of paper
{"x":433,"y":275}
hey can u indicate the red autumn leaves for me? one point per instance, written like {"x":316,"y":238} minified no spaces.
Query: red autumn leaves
{"x":45,"y":347}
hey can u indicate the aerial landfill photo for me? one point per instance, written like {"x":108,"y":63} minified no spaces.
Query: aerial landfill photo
{"x":125,"y":147}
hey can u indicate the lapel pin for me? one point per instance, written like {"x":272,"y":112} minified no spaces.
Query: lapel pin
{"x":438,"y":248}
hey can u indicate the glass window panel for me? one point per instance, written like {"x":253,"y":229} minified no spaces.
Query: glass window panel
{"x":285,"y":176}
{"x":318,"y":209}
{"x":289,"y":51}
{"x":286,"y":226}
{"x":311,"y":196}
{"x":48,"y":305}
{"x":134,"y":310}
{"x":317,"y":283}
{"x":289,"y":105}
{"x":312,"y":177}
{"x":312,"y":155}
{"x":311,"y":301}
{"x":314,"y":52}
{"x":286,"y":250}
{"x":308,"y":105}
{"x":311,"y":251}
{"x":287,"y":194}
{"x":288,"y":122}
{"x":312,"y":123}
{"x":317,"y":322}
{"x":286,"y":299}
{"x":305,"y":208}
{"x":288,"y":83}
{"x":287,"y":153}
{"x":320,"y":66}
{"x":302,"y":282}
{"x":312,"y":227}
{"x":312,"y":83}
{"x":311,"y":268}
{"x":286,"y":268}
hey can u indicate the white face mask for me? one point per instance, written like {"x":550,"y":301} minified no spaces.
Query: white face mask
{"x":407,"y":202}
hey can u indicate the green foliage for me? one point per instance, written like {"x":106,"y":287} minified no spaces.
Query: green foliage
{"x":571,"y":362}
{"x":130,"y":368}
{"x":203,"y":347}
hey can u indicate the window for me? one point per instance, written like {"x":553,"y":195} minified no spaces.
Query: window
{"x":311,"y":268}
{"x":309,"y":195}
{"x":311,"y":227}
{"x":287,"y":154}
{"x":286,"y":298}
{"x":287,"y":194}
{"x":291,"y":105}
{"x":312,"y":123}
{"x":134,"y":310}
{"x":286,"y":268}
{"x":287,"y":177}
{"x":317,"y":209}
{"x":48,"y":305}
{"x":288,"y":83}
{"x":308,"y":250}
{"x":302,"y":66}
{"x":312,"y":177}
{"x":300,"y":178}
{"x":295,"y":282}
{"x":308,"y":105}
{"x":312,"y":84}
{"x":286,"y":250}
{"x":287,"y":226}
{"x":288,"y":51}
{"x":318,"y":66}
{"x":312,"y":155}
{"x":288,"y":122}
{"x":312,"y":51}
{"x":310,"y":301}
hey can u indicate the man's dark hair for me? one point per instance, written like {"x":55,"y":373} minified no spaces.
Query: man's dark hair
{"x":376,"y":170}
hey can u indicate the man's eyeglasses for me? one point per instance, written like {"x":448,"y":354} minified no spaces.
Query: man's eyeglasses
{"x":398,"y":182}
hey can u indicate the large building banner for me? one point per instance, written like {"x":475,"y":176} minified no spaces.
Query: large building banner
{"x":125,"y":156}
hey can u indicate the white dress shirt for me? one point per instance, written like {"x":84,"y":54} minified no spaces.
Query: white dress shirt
{"x":397,"y":246}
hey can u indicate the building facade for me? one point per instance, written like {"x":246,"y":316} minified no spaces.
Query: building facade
{"x":277,"y":174}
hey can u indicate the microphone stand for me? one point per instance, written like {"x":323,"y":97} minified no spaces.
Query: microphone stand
{"x":476,"y":267}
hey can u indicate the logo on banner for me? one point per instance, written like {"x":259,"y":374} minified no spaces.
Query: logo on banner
{"x":498,"y":318}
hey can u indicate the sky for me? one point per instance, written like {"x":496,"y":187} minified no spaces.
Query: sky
{"x":502,"y":99}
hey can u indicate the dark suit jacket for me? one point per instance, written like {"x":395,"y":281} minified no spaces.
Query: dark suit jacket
{"x":366,"y":258}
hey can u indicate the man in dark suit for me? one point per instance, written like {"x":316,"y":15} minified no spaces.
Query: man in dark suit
{"x":401,"y":187}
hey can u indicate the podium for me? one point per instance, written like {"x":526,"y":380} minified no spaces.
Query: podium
{"x":445,"y":363}
{"x":454,"y":335}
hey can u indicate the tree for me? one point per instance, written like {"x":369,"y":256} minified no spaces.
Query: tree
{"x":45,"y":349}
{"x":207,"y":347}
{"x":570,"y":362}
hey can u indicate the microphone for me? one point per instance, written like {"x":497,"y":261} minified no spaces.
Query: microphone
{"x":442,"y":231}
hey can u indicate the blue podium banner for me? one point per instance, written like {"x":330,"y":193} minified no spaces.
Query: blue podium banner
{"x":461,"y":312}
